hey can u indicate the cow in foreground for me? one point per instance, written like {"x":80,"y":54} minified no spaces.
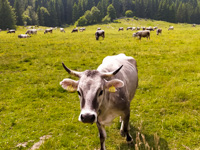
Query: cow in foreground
{"x":106,"y":93}
{"x":140,"y":34}
{"x":158,"y":31}
{"x":11,"y":31}
{"x":48,"y":31}
{"x":31,"y":31}
{"x":23,"y":36}
{"x":99,"y":33}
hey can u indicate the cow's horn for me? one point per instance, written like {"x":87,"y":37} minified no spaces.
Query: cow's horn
{"x":110,"y":74}
{"x":75,"y":73}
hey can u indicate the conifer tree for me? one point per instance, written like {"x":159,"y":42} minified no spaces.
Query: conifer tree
{"x":19,"y":11}
{"x":7,"y":15}
{"x":111,"y":12}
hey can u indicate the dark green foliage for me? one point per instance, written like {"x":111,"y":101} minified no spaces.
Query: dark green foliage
{"x":69,"y":11}
{"x":111,"y":12}
{"x":7,"y":15}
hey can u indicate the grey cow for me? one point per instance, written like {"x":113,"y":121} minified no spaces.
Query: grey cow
{"x":106,"y":93}
{"x":140,"y":34}
{"x":99,"y":33}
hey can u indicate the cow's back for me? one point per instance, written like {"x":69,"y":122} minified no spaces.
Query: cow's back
{"x":128,"y":73}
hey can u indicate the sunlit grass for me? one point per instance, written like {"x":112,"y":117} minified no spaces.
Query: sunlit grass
{"x":33,"y":104}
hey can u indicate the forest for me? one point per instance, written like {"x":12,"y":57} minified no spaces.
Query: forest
{"x":86,"y":12}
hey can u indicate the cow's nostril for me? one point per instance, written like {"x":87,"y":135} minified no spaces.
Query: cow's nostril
{"x":92,"y":118}
{"x":87,"y":118}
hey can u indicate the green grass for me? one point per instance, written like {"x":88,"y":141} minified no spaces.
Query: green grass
{"x":167,"y":101}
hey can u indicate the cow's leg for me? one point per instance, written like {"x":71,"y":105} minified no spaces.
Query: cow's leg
{"x":125,"y":128}
{"x":102,"y":134}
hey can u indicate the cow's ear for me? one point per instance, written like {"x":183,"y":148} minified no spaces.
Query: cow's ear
{"x":113,"y":84}
{"x":69,"y":85}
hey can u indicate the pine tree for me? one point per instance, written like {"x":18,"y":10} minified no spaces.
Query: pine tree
{"x":7,"y":15}
{"x":75,"y":12}
{"x":111,"y":12}
{"x":19,"y":11}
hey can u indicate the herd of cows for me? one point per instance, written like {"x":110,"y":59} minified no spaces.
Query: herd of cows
{"x":144,"y":32}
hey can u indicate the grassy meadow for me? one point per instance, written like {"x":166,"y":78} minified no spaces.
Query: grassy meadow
{"x":165,"y":112}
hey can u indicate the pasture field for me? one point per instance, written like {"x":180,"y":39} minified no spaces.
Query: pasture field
{"x":165,"y":110}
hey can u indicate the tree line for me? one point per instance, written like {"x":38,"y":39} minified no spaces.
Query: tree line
{"x":85,"y":12}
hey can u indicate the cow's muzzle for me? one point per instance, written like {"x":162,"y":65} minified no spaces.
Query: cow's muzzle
{"x":88,"y":117}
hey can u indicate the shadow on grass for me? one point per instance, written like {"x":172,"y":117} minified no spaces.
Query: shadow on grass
{"x":144,"y":142}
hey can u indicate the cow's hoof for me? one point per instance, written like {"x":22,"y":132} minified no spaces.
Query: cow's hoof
{"x":122,"y":133}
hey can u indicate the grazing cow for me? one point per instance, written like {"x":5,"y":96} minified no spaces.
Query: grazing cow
{"x":158,"y":31}
{"x":129,"y":28}
{"x":138,"y":28}
{"x":150,"y":29}
{"x":171,"y":28}
{"x":62,"y":30}
{"x":143,"y":33}
{"x":31,"y":31}
{"x":82,"y":29}
{"x":133,"y":28}
{"x":99,"y":33}
{"x":143,"y":28}
{"x":75,"y":30}
{"x":154,"y":28}
{"x":48,"y":31}
{"x":194,"y":25}
{"x":99,"y":28}
{"x":106,"y":93}
{"x":121,"y":29}
{"x":11,"y":31}
{"x":23,"y":36}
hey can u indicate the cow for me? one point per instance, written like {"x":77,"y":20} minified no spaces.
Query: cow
{"x":31,"y":31}
{"x":129,"y":28}
{"x":98,"y":28}
{"x":143,"y":28}
{"x":143,"y":33}
{"x":75,"y":30}
{"x":171,"y":28}
{"x":133,"y":28}
{"x":138,"y":28}
{"x":11,"y":31}
{"x":121,"y":29}
{"x":82,"y":29}
{"x":154,"y":28}
{"x":0,"y":30}
{"x":158,"y":31}
{"x":150,"y":29}
{"x":194,"y":25}
{"x":99,"y":33}
{"x":48,"y":31}
{"x":23,"y":36}
{"x":106,"y":93}
{"x":62,"y":30}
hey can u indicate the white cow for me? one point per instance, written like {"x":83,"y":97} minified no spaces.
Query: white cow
{"x":106,"y":93}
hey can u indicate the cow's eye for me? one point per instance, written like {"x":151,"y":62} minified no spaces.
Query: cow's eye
{"x":101,"y":92}
{"x":79,"y":93}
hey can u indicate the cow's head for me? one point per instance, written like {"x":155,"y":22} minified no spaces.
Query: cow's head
{"x":91,"y":88}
